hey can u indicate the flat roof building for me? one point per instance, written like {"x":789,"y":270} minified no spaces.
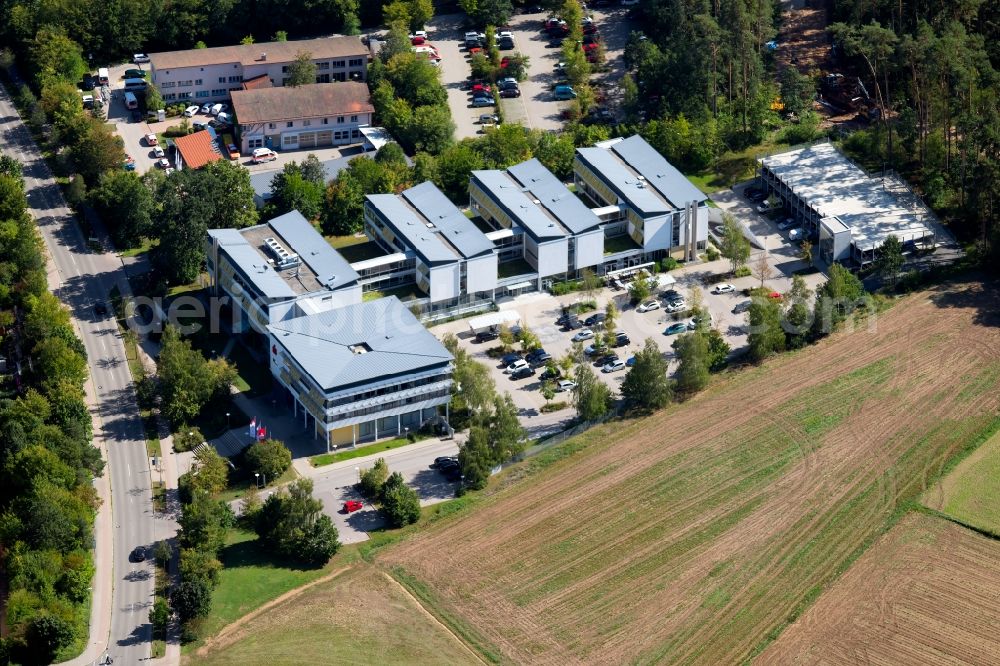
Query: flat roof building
{"x":203,"y":75}
{"x":361,"y":372}
{"x":454,"y":260}
{"x":850,"y":212}
{"x":278,"y":271}
{"x":310,"y":116}
{"x":652,"y":195}
{"x":561,"y":234}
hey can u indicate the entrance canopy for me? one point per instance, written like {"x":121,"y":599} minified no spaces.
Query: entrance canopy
{"x":494,"y":320}
{"x":375,"y":137}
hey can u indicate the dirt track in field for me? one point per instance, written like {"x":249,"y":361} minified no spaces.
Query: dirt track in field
{"x":697,"y":534}
{"x":928,"y":593}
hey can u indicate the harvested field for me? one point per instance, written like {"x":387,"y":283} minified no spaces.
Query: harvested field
{"x":927,"y":593}
{"x":696,"y":535}
{"x":361,"y":616}
{"x":971,"y":492}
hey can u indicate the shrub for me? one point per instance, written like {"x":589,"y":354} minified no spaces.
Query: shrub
{"x":742,"y":271}
{"x":373,"y":479}
{"x":269,"y":457}
{"x":668,"y":264}
{"x":712,"y":254}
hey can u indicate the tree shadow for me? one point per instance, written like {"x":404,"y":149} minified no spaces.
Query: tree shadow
{"x":253,"y":554}
{"x":140,"y":634}
{"x":982,"y":296}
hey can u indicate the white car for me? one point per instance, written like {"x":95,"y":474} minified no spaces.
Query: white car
{"x":648,"y":306}
{"x":264,"y":155}
{"x":218,"y":108}
{"x":676,"y":306}
{"x":158,"y":151}
{"x":565,"y":385}
{"x":614,"y":366}
{"x":163,"y":163}
{"x":150,"y":139}
{"x":585,"y":334}
{"x":190,"y":111}
{"x":140,"y":58}
{"x":694,"y":321}
{"x":724,"y":288}
{"x":516,"y":365}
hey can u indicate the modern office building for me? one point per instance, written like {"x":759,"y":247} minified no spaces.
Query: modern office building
{"x":361,"y":372}
{"x":660,"y":209}
{"x":212,"y":74}
{"x":849,"y":212}
{"x":454,"y":263}
{"x":310,"y":116}
{"x":278,"y":271}
{"x":550,"y":227}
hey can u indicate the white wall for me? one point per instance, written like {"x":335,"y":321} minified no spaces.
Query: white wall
{"x":481,"y":273}
{"x":445,"y":281}
{"x":553,"y":257}
{"x":589,"y":249}
{"x":331,"y":301}
{"x":657,"y":233}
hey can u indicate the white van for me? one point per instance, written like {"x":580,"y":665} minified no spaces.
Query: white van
{"x":796,"y":234}
{"x":264,"y":155}
{"x":135,"y":84}
{"x":103,"y":78}
{"x":130,"y":101}
{"x":216,"y":109}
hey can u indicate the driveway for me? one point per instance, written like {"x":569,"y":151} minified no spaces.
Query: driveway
{"x":447,"y":33}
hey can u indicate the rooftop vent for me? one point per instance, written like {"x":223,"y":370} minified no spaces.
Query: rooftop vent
{"x":282,"y":258}
{"x":263,"y":56}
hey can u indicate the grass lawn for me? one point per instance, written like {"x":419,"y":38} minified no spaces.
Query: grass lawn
{"x":340,"y":242}
{"x":361,"y":616}
{"x":407,"y":292}
{"x":511,"y":268}
{"x":250,"y":577}
{"x":619,"y":244}
{"x":179,"y":289}
{"x":366,"y":450}
{"x":734,"y":167}
{"x":238,"y":487}
{"x":971,"y":492}
{"x":145,"y":247}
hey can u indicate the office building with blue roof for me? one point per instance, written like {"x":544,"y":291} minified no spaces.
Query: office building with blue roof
{"x":660,"y":210}
{"x":552,"y":229}
{"x":278,"y":271}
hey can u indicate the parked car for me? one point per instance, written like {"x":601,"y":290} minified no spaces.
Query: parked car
{"x":573,"y":324}
{"x":417,"y":40}
{"x":550,"y":373}
{"x":135,"y":73}
{"x":158,"y":151}
{"x":676,"y":306}
{"x":521,"y":373}
{"x":695,"y":321}
{"x":218,"y":108}
{"x":672,"y":295}
{"x":585,"y":334}
{"x":539,"y":359}
{"x":508,"y":82}
{"x":630,"y":362}
{"x":724,"y":288}
{"x":234,"y":152}
{"x":595,"y":350}
{"x":596,"y":318}
{"x":150,"y":139}
{"x":565,"y":385}
{"x":89,"y":82}
{"x":350,"y":506}
{"x":614,"y":366}
{"x":129,"y":164}
{"x":486,"y":336}
{"x":742,"y":306}
{"x":767,"y":207}
{"x":787,"y":223}
{"x":443,"y":460}
{"x":190,"y":111}
{"x":264,"y":155}
{"x":140,"y":58}
{"x":510,"y":92}
{"x":138,"y":554}
{"x":509,"y":359}
{"x":488,"y":119}
{"x":206,"y":108}
{"x":674,"y":329}
{"x":135,"y":116}
{"x":796,"y":234}
{"x":621,"y":339}
{"x":564,"y":92}
{"x":163,"y":163}
{"x":480,"y":101}
{"x":604,"y":359}
{"x":648,"y":306}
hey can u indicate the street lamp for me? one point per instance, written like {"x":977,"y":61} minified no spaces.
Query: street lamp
{"x":227,"y":420}
{"x":256,"y":480}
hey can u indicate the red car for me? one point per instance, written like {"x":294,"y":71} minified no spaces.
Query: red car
{"x":504,"y":62}
{"x":474,"y":50}
{"x":350,"y":506}
{"x":775,"y":295}
{"x":417,"y":41}
{"x":481,"y":87}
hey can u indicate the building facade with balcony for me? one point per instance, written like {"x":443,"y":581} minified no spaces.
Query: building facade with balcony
{"x":662,"y":211}
{"x":278,"y":271}
{"x":361,"y":372}
{"x":213,"y":74}
{"x":559,"y":234}
{"x":454,"y":263}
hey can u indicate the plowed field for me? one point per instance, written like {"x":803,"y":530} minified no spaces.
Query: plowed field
{"x":927,"y":593}
{"x":696,"y":535}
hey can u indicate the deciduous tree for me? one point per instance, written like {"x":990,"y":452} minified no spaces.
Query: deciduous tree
{"x":302,"y":70}
{"x":646,"y":384}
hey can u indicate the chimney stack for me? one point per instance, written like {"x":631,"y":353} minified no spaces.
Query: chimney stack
{"x":263,"y":56}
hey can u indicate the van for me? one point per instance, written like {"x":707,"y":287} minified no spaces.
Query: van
{"x":264,"y":155}
{"x":103,"y":78}
{"x":135,"y":84}
{"x":88,"y":101}
{"x":796,"y":234}
{"x":130,"y":101}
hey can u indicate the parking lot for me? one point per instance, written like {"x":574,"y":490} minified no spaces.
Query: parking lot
{"x":535,"y":108}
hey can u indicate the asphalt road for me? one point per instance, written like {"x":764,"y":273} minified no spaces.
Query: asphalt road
{"x":79,"y":279}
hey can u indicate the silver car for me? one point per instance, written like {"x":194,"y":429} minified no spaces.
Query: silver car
{"x":585,"y":334}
